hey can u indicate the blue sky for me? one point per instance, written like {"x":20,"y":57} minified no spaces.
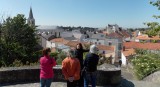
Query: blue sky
{"x":85,"y":13}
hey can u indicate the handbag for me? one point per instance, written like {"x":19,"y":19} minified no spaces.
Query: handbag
{"x":83,"y":71}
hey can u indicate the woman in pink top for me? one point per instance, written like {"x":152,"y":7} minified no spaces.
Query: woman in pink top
{"x":46,"y":70}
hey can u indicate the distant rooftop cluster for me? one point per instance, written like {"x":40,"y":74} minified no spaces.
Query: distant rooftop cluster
{"x":113,"y":40}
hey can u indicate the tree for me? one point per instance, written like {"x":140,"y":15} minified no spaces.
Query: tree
{"x":154,"y":26}
{"x":18,"y":40}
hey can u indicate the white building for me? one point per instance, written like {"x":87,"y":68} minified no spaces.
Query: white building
{"x":98,"y":39}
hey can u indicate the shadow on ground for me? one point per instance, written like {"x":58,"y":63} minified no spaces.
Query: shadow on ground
{"x":124,"y":83}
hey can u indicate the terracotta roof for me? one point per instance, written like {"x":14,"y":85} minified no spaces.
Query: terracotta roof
{"x":53,"y":49}
{"x":72,"y":43}
{"x":60,"y":40}
{"x":125,"y":33}
{"x":115,"y":35}
{"x":105,"y":32}
{"x":145,"y":37}
{"x":149,"y":46}
{"x":129,"y":52}
{"x":103,"y":47}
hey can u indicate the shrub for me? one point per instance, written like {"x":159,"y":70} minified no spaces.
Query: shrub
{"x":145,"y":64}
{"x":60,"y":57}
{"x":154,"y":41}
{"x":17,"y":63}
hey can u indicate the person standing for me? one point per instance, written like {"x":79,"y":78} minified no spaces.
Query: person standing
{"x":79,"y":54}
{"x":46,"y":68}
{"x":120,"y":62}
{"x":71,"y":69}
{"x":90,"y":65}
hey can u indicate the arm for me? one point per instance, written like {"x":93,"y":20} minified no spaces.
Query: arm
{"x":97,"y":60}
{"x":77,"y":72}
{"x":85,"y":50}
{"x":54,"y":62}
{"x":64,"y":69}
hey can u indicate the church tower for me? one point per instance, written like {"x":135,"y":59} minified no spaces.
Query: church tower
{"x":31,"y":20}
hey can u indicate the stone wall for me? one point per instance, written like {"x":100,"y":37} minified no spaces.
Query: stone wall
{"x":26,"y":75}
{"x":32,"y":75}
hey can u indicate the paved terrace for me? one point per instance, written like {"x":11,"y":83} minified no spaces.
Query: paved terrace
{"x":125,"y":83}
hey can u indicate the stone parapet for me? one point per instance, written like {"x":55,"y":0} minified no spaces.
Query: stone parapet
{"x":105,"y":75}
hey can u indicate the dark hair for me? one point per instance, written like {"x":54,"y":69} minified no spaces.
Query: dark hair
{"x":46,"y":51}
{"x":81,"y":47}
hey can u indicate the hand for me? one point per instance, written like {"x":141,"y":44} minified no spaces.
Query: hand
{"x":71,"y":79}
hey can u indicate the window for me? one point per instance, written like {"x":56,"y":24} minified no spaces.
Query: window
{"x":102,"y":35}
{"x":119,"y":46}
{"x":97,"y":39}
{"x":119,"y":54}
{"x":55,"y":33}
{"x":59,"y":34}
{"x":110,"y":43}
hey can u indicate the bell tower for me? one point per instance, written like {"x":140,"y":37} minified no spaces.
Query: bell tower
{"x":31,"y":20}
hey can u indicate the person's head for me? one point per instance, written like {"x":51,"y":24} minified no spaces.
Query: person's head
{"x":93,"y":49}
{"x":46,"y":51}
{"x":79,"y":46}
{"x":71,"y":53}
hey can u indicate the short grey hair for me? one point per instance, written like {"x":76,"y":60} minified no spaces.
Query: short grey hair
{"x":71,"y":53}
{"x":93,"y":49}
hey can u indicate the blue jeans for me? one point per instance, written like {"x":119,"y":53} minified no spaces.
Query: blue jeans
{"x":45,"y":82}
{"x":90,"y":77}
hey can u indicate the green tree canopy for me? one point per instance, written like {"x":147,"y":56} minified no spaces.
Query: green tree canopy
{"x":17,"y":41}
{"x":154,"y":26}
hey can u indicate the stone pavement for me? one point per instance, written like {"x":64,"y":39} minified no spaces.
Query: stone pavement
{"x":125,"y":83}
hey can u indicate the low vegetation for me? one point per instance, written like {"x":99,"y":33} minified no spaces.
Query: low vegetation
{"x":145,"y":63}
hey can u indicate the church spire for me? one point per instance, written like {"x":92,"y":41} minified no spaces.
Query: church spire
{"x":31,"y":20}
{"x":31,"y":14}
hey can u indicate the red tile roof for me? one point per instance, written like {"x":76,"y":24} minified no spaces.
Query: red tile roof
{"x":115,"y":34}
{"x":149,"y":46}
{"x":119,"y":34}
{"x":145,"y":37}
{"x":105,"y":32}
{"x":60,"y":40}
{"x":103,"y":47}
{"x":129,"y":52}
{"x":125,"y":34}
{"x":72,"y":43}
{"x":53,"y":49}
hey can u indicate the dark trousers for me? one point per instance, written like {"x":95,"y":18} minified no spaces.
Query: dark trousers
{"x":71,"y":84}
{"x":90,"y":77}
{"x":81,"y":81}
